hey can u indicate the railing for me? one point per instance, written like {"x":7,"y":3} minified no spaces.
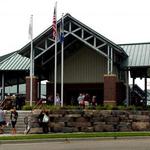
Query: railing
{"x":3,"y":103}
{"x":138,"y":91}
{"x":39,"y":104}
{"x":27,"y":119}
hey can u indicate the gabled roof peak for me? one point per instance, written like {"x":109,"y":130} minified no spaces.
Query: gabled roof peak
{"x":68,"y":18}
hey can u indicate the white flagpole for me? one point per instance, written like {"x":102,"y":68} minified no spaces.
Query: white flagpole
{"x":55,"y":67}
{"x":62,"y":63}
{"x":31,"y":58}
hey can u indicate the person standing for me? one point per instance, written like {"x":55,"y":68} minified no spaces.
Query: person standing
{"x":2,"y":120}
{"x":13,"y":118}
{"x":94,"y":102}
{"x":44,"y":120}
{"x":80,"y":100}
{"x":58,"y":102}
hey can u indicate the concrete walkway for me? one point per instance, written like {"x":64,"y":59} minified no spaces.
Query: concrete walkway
{"x":7,"y":134}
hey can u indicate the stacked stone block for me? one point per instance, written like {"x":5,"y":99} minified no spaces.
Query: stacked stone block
{"x":98,"y":121}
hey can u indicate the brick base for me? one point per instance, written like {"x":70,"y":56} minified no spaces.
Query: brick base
{"x":110,"y":102}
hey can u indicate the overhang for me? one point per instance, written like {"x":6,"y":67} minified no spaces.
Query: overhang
{"x":139,"y":55}
{"x":14,"y":62}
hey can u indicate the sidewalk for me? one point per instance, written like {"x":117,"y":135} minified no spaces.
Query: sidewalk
{"x":8,"y":134}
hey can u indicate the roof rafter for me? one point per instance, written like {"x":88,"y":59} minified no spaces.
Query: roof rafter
{"x":44,"y":42}
{"x":45,"y":62}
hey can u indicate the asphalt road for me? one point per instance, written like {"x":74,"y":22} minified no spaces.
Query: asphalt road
{"x":111,"y":144}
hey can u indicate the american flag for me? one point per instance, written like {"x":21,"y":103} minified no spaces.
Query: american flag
{"x":54,"y":26}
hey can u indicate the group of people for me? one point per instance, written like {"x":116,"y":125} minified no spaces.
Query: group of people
{"x":17,"y":101}
{"x":12,"y":121}
{"x":50,"y":100}
{"x":85,"y":100}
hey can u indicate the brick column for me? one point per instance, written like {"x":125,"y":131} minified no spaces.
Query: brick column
{"x":110,"y":89}
{"x":34,"y":89}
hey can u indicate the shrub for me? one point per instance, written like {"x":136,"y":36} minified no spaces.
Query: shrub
{"x":27,"y":107}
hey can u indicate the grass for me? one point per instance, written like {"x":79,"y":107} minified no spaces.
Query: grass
{"x":74,"y":135}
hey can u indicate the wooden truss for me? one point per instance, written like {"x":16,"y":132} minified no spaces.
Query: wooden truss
{"x":84,"y":34}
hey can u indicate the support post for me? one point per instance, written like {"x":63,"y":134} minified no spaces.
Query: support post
{"x":3,"y":86}
{"x":55,"y":60}
{"x":127,"y":88}
{"x":17,"y":85}
{"x":108,"y":60}
{"x":145,"y":102}
{"x":132,"y":95}
{"x":39,"y":91}
{"x":62,"y":63}
{"x":111,"y":61}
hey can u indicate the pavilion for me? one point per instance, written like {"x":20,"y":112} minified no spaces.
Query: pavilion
{"x":92,"y":64}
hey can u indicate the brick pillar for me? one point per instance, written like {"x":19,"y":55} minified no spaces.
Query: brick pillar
{"x":110,"y":89}
{"x":34,"y":89}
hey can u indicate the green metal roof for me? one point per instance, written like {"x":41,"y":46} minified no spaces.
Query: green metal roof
{"x":139,"y":54}
{"x":6,"y":56}
{"x":15,"y":62}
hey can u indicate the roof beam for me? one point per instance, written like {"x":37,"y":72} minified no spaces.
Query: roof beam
{"x":88,"y":38}
{"x":90,"y":45}
{"x":101,"y":45}
{"x":90,"y":32}
{"x":43,"y":63}
{"x":81,"y":33}
{"x":45,"y":50}
{"x":94,"y":42}
{"x":39,"y":48}
{"x":51,"y":39}
{"x":78,"y":29}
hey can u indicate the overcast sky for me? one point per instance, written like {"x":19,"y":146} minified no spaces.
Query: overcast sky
{"x":122,"y":21}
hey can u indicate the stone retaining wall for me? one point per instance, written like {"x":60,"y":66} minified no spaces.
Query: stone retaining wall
{"x":94,"y":121}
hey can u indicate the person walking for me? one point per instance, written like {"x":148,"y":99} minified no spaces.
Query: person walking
{"x":13,"y":118}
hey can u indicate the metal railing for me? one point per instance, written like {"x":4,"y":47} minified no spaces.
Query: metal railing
{"x":3,"y":103}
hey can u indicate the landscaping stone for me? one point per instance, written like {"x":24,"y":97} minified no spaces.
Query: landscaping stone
{"x":83,"y":120}
{"x":140,"y":126}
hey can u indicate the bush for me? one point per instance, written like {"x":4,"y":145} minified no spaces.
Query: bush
{"x":98,"y":107}
{"x":27,"y":107}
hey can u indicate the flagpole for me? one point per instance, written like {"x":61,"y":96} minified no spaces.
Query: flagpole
{"x":55,"y":67}
{"x":31,"y":58}
{"x":62,"y":63}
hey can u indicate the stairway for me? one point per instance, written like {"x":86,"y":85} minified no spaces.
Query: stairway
{"x":20,"y":126}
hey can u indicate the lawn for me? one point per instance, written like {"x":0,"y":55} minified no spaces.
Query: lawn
{"x":73,"y":135}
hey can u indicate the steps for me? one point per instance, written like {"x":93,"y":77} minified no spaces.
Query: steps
{"x":20,"y":125}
